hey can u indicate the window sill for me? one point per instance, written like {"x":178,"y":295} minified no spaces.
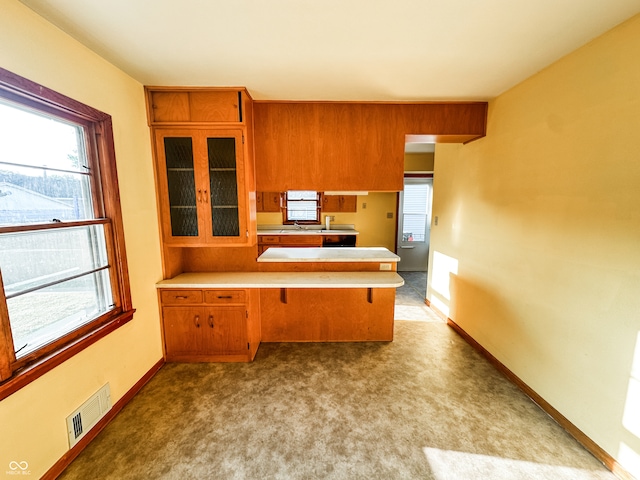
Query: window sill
{"x":35,"y":370}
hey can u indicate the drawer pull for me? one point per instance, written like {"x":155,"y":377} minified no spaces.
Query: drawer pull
{"x":197,"y":321}
{"x":211,"y":321}
{"x":225,"y":296}
{"x":206,"y":198}
{"x":181,"y":297}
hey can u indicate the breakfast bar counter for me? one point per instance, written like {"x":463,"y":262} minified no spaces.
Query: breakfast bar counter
{"x":306,"y":295}
{"x":335,"y":254}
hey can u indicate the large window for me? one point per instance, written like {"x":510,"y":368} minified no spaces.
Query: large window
{"x":63,"y":277}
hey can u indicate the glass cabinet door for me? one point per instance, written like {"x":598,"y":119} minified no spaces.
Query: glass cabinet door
{"x":223,"y":186}
{"x":182,"y":186}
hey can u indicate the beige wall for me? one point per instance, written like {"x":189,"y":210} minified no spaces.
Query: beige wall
{"x":32,"y":421}
{"x":541,"y":221}
{"x":419,"y":162}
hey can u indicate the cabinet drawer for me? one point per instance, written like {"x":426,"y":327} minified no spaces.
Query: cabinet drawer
{"x":269,"y":239}
{"x":180,"y":297}
{"x":224,"y":296}
{"x":295,"y":240}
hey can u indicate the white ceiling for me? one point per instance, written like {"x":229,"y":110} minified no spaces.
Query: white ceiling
{"x":337,"y":49}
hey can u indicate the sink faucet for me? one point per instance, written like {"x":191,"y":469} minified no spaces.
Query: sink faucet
{"x":295,"y":224}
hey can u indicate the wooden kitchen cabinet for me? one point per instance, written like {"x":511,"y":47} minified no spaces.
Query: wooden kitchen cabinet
{"x":350,"y":146}
{"x":339,"y":203}
{"x":168,"y":105}
{"x":268,"y":202}
{"x":203,"y":147}
{"x":280,"y":241}
{"x":327,"y":314}
{"x":202,"y":186}
{"x":210,"y":325}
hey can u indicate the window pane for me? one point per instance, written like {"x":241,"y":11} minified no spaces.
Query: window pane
{"x":32,"y":259}
{"x":55,"y":281}
{"x":42,"y":316}
{"x":302,"y":210}
{"x":42,"y":169}
{"x":302,"y":195}
{"x":29,"y":195}
{"x":414,"y":228}
{"x":30,"y":138}
{"x":414,"y":206}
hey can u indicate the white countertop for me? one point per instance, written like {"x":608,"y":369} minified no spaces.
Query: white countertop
{"x":336,"y":229}
{"x":308,"y":232}
{"x":333,"y":254}
{"x":284,"y":280}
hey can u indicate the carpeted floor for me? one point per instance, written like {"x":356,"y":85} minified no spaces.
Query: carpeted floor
{"x":425,"y":406}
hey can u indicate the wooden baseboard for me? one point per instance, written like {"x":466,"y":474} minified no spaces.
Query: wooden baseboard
{"x":574,"y":431}
{"x":435,"y":310}
{"x":71,"y":454}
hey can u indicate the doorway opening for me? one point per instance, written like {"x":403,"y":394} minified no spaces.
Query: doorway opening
{"x":412,"y":246}
{"x":414,"y":223}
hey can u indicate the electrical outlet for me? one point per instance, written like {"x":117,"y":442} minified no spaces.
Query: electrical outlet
{"x":364,"y":204}
{"x":389,"y":214}
{"x":385,"y":266}
{"x":435,"y":221}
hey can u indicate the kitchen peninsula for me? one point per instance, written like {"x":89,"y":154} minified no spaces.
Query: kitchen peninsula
{"x":301,"y":302}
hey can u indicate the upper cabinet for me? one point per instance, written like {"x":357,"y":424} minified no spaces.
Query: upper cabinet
{"x":204,"y":166}
{"x":351,"y":146}
{"x":204,"y":105}
{"x":202,"y":186}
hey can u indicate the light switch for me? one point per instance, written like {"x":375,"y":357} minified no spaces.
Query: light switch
{"x":389,"y":214}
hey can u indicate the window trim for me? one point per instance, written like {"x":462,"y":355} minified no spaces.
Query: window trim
{"x":99,"y":134}
{"x":285,"y":212}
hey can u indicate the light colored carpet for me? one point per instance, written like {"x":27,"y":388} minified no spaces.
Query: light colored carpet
{"x":425,"y":406}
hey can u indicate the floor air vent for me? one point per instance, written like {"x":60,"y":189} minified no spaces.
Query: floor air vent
{"x":89,"y":413}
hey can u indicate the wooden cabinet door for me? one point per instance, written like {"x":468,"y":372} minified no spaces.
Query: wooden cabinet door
{"x":202,"y":187}
{"x":183,"y":327}
{"x":268,"y":202}
{"x":327,"y":314}
{"x":225,"y":196}
{"x":339,"y":203}
{"x":177,"y":186}
{"x":226,"y":330}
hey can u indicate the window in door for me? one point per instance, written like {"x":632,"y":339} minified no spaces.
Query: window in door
{"x":415,"y":212}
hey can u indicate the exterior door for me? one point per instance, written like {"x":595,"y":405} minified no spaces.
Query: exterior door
{"x":414,"y":224}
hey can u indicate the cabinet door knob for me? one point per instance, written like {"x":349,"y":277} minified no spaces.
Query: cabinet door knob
{"x":197,"y":321}
{"x":211,"y":321}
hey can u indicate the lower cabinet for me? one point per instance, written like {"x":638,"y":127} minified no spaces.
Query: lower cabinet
{"x":210,"y":325}
{"x":327,"y":314}
{"x":280,"y":241}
